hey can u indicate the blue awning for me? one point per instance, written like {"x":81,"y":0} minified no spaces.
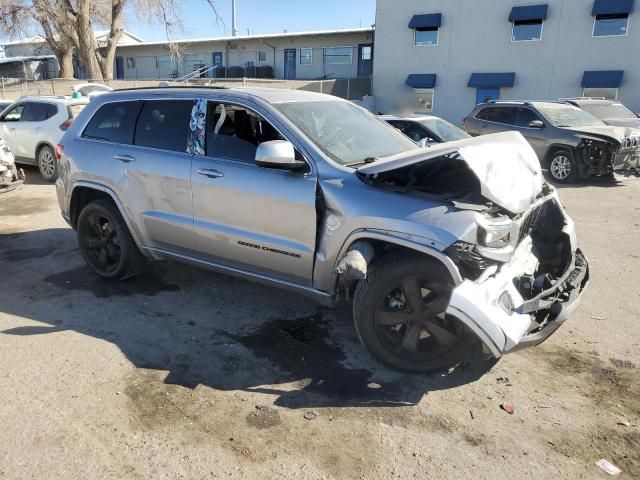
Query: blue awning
{"x":492,"y":80}
{"x":602,"y":79}
{"x":612,"y":7}
{"x":531,"y":12}
{"x":421,"y":80}
{"x":431,"y":20}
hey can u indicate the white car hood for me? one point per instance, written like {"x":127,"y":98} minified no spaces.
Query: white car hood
{"x":505,"y":164}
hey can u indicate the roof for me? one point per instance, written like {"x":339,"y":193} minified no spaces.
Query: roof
{"x":100,"y":35}
{"x":261,"y":36}
{"x":415,"y":117}
{"x":270,"y":95}
{"x":26,"y":58}
{"x":67,"y":100}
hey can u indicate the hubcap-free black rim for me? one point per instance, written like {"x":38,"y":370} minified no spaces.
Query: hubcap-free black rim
{"x":102,"y":243}
{"x":410,"y":320}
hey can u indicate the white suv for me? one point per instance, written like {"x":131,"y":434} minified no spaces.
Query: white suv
{"x":33,"y":126}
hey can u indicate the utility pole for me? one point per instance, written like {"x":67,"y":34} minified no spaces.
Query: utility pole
{"x":234,"y":26}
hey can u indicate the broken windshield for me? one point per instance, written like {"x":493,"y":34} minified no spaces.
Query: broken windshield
{"x":562,"y":116}
{"x":346,"y":133}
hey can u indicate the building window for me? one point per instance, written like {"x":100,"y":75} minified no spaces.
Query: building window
{"x":424,"y":99}
{"x":262,"y":56}
{"x":338,"y":55}
{"x":526,"y":30}
{"x":367,"y":53}
{"x":306,"y":56}
{"x":426,"y":36}
{"x":608,"y":93}
{"x":611,"y":25}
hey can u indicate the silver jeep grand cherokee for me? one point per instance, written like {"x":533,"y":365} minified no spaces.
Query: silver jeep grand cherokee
{"x":440,"y":247}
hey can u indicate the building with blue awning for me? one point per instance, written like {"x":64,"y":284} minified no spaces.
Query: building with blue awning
{"x":460,"y":52}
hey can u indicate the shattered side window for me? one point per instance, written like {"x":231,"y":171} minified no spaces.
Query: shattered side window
{"x":197,"y":123}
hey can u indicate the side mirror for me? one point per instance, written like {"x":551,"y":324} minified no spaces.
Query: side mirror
{"x":423,"y":143}
{"x":536,"y":124}
{"x":278,"y":154}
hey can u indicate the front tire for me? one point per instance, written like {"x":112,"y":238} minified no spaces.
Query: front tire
{"x":106,"y":243}
{"x":562,"y":166}
{"x":399,"y":315}
{"x":48,"y":164}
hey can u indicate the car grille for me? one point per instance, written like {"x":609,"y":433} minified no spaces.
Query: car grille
{"x":533,"y":218}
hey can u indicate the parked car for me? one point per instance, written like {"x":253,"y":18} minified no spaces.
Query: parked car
{"x":90,"y":90}
{"x":299,"y":190}
{"x":569,"y":141}
{"x":610,"y":112}
{"x":426,"y":129}
{"x":33,"y":126}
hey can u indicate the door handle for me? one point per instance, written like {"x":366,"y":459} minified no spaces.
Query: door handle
{"x":211,"y":173}
{"x":12,"y":129}
{"x":124,"y":158}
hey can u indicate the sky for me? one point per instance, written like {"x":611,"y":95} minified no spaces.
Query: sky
{"x":264,"y":16}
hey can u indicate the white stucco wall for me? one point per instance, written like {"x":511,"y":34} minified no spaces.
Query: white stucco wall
{"x":476,"y":37}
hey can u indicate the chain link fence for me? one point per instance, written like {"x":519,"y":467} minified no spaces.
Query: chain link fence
{"x":348,"y":88}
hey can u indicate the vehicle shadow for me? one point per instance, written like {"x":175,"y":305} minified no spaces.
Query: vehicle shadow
{"x":32,"y":174}
{"x":207,"y":329}
{"x":597,"y":182}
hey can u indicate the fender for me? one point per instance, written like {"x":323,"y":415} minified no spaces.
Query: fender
{"x":395,"y":238}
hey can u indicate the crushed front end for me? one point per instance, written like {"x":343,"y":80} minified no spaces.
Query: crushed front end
{"x":600,"y":157}
{"x":10,"y":176}
{"x":523,"y":278}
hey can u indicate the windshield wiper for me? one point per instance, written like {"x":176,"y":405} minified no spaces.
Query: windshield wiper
{"x":366,"y":161}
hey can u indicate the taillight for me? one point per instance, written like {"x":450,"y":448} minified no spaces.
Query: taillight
{"x":58,"y":151}
{"x":64,"y":126}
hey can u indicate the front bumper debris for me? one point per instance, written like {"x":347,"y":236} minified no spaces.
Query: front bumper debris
{"x":10,"y":178}
{"x":508,"y":317}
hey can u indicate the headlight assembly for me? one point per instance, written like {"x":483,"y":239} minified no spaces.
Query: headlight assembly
{"x":495,"y":233}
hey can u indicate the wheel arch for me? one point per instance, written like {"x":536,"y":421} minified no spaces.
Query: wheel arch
{"x":556,"y":147}
{"x":40,"y":145}
{"x":382,"y":240}
{"x":85,"y":192}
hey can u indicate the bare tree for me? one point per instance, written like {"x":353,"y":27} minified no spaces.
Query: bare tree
{"x":68,"y":26}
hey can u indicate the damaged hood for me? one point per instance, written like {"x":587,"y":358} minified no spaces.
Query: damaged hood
{"x":505,"y":164}
{"x":608,"y":132}
{"x":623,"y":122}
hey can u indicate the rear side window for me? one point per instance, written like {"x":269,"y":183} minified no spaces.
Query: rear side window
{"x":506,"y":115}
{"x":38,"y":112}
{"x":113,"y":122}
{"x":164,"y":124}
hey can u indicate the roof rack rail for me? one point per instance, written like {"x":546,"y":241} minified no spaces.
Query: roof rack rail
{"x":564,"y":99}
{"x":176,"y":87}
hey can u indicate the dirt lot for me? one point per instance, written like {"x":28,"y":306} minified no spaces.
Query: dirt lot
{"x":183,"y":373}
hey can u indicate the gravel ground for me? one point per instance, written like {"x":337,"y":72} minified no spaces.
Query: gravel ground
{"x":183,"y":373}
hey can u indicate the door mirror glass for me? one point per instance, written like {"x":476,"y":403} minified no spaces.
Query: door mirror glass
{"x":278,"y":154}
{"x":536,"y":124}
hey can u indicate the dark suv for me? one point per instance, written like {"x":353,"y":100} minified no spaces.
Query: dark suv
{"x":569,"y":141}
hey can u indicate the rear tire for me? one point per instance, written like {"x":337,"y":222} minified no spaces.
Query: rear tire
{"x":562,"y":166}
{"x":106,"y":243}
{"x":48,"y":164}
{"x":399,"y":315}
